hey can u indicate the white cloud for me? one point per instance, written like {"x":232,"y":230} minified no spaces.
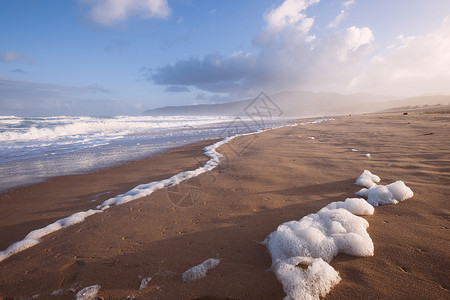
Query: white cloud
{"x":337,"y":20}
{"x":348,"y":3}
{"x":290,"y":13}
{"x":213,"y":11}
{"x":343,"y":60}
{"x":110,"y":12}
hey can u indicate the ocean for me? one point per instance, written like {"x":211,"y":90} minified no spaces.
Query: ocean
{"x":38,"y":148}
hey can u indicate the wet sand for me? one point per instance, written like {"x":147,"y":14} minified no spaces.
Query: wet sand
{"x":264,"y":180}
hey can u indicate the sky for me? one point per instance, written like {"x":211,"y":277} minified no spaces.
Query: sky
{"x":121,"y":57}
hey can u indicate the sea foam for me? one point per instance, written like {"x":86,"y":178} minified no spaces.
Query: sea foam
{"x":367,"y":179}
{"x":301,"y":250}
{"x":313,"y":241}
{"x":199,"y":271}
{"x":88,"y":293}
{"x":382,"y":194}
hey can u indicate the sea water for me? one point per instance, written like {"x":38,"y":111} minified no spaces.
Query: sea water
{"x":34,"y":149}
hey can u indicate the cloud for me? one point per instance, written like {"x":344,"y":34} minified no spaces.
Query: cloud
{"x":213,"y":11}
{"x":176,"y":89}
{"x":342,"y":60}
{"x":342,"y":15}
{"x":289,"y":13}
{"x":213,"y":72}
{"x":111,"y":12}
{"x":335,"y":23}
{"x":347,"y":4}
{"x":15,"y":57}
{"x":289,"y":57}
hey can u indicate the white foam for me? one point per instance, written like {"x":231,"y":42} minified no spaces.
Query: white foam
{"x":314,"y":282}
{"x":144,"y":283}
{"x":88,"y":293}
{"x":367,"y":179}
{"x":314,"y":241}
{"x":200,"y":270}
{"x":400,"y":191}
{"x":386,"y":194}
{"x":368,"y":155}
{"x":301,"y":250}
{"x":357,"y":206}
{"x":35,"y":236}
{"x":138,"y":192}
{"x":321,"y":235}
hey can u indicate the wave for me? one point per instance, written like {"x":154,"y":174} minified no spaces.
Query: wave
{"x":15,"y":129}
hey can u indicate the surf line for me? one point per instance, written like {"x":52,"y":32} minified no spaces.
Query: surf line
{"x":34,"y":237}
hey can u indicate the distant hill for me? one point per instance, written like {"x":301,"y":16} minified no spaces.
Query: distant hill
{"x":303,"y":104}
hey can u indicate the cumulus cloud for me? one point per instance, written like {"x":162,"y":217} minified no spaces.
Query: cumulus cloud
{"x":290,"y":57}
{"x":15,"y":57}
{"x":111,"y":12}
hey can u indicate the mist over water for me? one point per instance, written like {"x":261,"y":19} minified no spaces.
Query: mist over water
{"x":33,"y":149}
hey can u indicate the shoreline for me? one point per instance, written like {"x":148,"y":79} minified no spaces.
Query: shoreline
{"x":279,"y":176}
{"x":79,"y":192}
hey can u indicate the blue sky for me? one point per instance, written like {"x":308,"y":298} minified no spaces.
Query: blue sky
{"x":109,"y":57}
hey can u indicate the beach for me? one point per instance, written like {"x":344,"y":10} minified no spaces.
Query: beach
{"x":263,"y":180}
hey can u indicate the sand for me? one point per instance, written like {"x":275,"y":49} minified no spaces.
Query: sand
{"x":264,"y":180}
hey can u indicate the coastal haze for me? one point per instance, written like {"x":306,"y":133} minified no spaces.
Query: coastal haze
{"x":306,"y":104}
{"x":224,"y":149}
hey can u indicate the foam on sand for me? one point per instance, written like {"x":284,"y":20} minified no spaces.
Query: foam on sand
{"x":301,"y":250}
{"x":35,"y":236}
{"x":138,"y":192}
{"x":367,"y":179}
{"x":311,"y":283}
{"x":382,"y":194}
{"x":356,"y":206}
{"x":313,"y":241}
{"x":200,"y":270}
{"x":386,"y":194}
{"x":88,"y":293}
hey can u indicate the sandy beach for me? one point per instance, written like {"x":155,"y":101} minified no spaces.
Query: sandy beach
{"x":264,"y":180}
